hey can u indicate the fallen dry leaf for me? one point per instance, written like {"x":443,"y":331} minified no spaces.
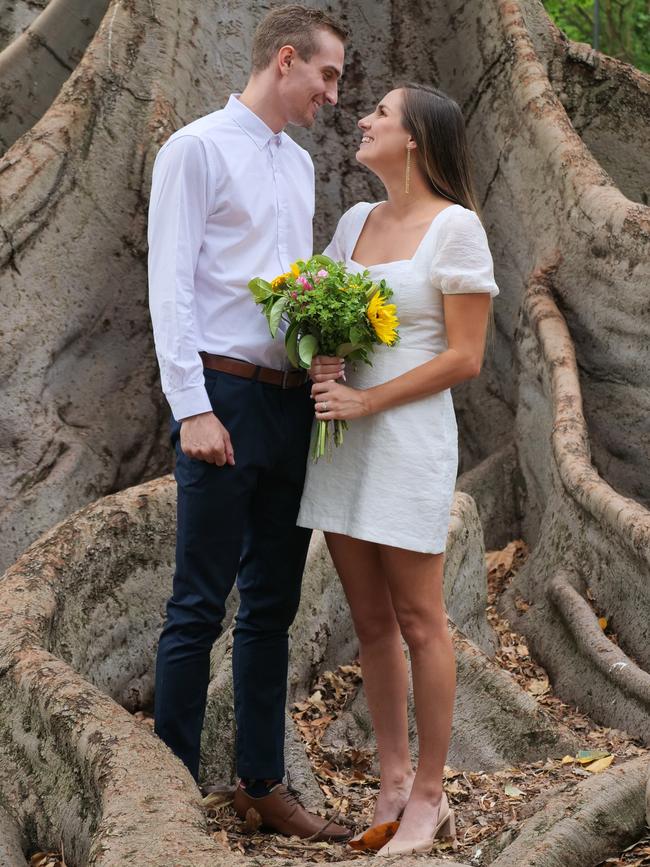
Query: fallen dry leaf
{"x":599,"y":765}
{"x":538,"y":687}
{"x":253,"y":820}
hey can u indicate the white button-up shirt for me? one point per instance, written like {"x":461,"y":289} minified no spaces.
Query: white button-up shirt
{"x":230,"y":200}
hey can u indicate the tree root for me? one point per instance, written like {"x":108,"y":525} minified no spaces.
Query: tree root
{"x":11,"y":848}
{"x":589,"y":539}
{"x":581,"y":828}
{"x":34,"y":67}
{"x":73,"y":764}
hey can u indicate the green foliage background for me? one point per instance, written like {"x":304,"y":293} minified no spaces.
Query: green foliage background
{"x":624,"y":26}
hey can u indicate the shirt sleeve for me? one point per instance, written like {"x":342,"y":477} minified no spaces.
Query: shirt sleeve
{"x":462,"y":262}
{"x":179,"y":206}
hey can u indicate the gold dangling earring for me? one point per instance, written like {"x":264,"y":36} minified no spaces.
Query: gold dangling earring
{"x":407,"y":183}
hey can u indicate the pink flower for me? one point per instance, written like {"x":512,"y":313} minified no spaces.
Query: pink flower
{"x":322,"y":273}
{"x":294,"y":295}
{"x":304,"y":282}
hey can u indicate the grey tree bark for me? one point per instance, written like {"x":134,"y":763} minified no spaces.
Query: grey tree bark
{"x":16,"y":16}
{"x":34,"y":66}
{"x":554,"y":434}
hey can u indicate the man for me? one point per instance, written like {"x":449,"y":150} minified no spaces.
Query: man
{"x":233,"y":197}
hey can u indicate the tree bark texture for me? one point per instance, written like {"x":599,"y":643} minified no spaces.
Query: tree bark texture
{"x":34,"y":67}
{"x":80,"y":615}
{"x":554,"y":434}
{"x":16,"y":16}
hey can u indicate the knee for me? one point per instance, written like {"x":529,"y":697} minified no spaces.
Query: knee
{"x":198,"y":626}
{"x":420,"y":628}
{"x":268,"y":615}
{"x":376,"y":627}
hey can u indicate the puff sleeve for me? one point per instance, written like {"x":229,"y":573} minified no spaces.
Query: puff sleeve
{"x":337,"y":248}
{"x":462,"y":261}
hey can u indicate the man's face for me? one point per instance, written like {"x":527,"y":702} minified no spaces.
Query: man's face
{"x":308,"y":85}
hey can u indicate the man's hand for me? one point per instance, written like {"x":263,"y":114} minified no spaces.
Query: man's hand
{"x":325,"y":367}
{"x":204,"y":438}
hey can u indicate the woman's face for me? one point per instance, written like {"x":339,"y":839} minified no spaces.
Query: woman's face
{"x":384,"y":139}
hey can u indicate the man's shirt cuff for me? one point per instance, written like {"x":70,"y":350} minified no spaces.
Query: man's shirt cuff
{"x":185,"y":402}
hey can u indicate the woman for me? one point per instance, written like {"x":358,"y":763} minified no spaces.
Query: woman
{"x":384,"y":500}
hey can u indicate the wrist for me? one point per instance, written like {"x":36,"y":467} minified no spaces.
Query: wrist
{"x":196,"y":415}
{"x":370,"y":401}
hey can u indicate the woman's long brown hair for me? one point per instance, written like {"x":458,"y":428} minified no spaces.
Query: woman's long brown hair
{"x":436,"y":123}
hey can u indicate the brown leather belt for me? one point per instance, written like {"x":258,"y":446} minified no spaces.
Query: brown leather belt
{"x":283,"y":378}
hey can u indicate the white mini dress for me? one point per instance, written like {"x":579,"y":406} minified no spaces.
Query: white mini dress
{"x":392,"y":481}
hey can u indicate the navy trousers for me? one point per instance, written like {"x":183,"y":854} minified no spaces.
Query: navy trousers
{"x":237,"y":523}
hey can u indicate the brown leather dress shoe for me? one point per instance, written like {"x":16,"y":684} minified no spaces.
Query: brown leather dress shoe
{"x":282,"y":811}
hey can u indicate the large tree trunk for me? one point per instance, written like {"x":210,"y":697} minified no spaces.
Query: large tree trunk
{"x":554,"y":433}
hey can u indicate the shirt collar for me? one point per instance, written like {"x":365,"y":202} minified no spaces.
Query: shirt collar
{"x":250,"y":123}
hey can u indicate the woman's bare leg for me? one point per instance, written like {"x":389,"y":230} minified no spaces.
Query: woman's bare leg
{"x":416,"y":586}
{"x":383,"y":663}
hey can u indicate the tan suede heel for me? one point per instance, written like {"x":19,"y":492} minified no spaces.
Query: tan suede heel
{"x":445,"y":828}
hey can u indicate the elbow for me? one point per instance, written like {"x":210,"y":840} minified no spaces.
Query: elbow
{"x":472,"y":366}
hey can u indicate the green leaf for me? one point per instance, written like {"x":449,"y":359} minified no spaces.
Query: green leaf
{"x":307,"y":348}
{"x":324,"y":261}
{"x":346,"y":348}
{"x":356,"y":335}
{"x":261,"y":289}
{"x":276,"y":315}
{"x":585,"y":756}
{"x":291,"y":343}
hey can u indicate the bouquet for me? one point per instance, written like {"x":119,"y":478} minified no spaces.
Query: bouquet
{"x":329,"y":311}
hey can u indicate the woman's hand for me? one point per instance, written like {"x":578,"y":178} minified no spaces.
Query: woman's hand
{"x":336,"y":401}
{"x":325,"y":367}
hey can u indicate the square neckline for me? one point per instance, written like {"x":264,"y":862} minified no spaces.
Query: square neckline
{"x":394,"y":261}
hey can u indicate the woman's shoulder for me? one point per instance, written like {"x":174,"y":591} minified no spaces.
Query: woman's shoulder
{"x":457,"y":226}
{"x":356,"y":210}
{"x":459,"y":217}
{"x":349,"y":220}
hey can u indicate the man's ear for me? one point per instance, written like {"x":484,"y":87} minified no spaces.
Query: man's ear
{"x":286,"y":56}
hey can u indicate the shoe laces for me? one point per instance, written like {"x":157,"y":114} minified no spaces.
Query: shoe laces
{"x":291,"y":795}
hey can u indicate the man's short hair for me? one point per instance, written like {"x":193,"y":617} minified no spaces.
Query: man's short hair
{"x":291,"y":25}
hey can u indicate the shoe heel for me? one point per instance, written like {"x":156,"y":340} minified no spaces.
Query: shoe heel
{"x":448,"y":827}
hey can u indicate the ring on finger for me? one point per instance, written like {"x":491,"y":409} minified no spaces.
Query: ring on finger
{"x":324,"y":406}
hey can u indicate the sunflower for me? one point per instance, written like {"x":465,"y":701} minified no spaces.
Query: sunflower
{"x":383,"y":318}
{"x":280,"y":281}
{"x":295,"y":270}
